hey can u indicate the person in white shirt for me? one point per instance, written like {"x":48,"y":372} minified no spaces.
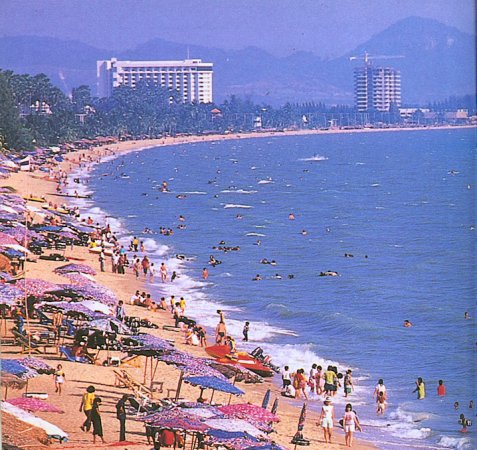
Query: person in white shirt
{"x":135,"y":298}
{"x":286,"y":377}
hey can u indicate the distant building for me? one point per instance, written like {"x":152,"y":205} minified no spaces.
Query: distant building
{"x":377,"y":88}
{"x":191,"y":78}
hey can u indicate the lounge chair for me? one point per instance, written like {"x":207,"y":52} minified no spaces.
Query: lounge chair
{"x":28,"y":346}
{"x":124,"y":379}
{"x":68,"y":354}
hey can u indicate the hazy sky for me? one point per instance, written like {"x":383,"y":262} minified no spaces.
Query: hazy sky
{"x":327,"y":28}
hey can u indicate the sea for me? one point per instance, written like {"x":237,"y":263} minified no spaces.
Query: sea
{"x":401,"y":203}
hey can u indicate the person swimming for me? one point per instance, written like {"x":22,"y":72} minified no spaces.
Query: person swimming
{"x":329,"y":273}
{"x":407,"y":323}
{"x":257,"y":277}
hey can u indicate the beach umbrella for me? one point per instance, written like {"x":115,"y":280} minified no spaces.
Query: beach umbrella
{"x":10,"y":294}
{"x":266,"y":399}
{"x":34,"y":404}
{"x":37,"y":364}
{"x":231,"y":437}
{"x":176,"y":419}
{"x":68,"y":308}
{"x":93,"y":305}
{"x":8,"y":380}
{"x":82,"y":268}
{"x":265,"y":446}
{"x":15,"y":367}
{"x":247,"y":411}
{"x":214,"y":383}
{"x":275,"y":406}
{"x":237,"y":372}
{"x":7,"y":239}
{"x":36,"y":287}
{"x":301,"y":425}
{"x":109,"y":325}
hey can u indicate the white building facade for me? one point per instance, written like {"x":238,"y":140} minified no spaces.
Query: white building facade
{"x":191,"y":78}
{"x":377,"y":88}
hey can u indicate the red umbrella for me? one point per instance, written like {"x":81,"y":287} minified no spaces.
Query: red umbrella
{"x":34,"y":404}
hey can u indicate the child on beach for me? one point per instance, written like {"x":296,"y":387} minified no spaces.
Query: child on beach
{"x":327,"y":418}
{"x":59,"y":378}
{"x":350,"y":424}
{"x":381,"y":401}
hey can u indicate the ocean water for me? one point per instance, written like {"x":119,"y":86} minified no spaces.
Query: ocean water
{"x":402,"y":203}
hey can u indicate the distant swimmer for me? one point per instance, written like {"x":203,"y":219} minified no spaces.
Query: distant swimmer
{"x":329,"y":273}
{"x":239,"y":216}
{"x":328,"y":229}
{"x":205,"y":273}
{"x":291,"y":216}
{"x":180,"y":196}
{"x":264,"y":261}
{"x":348,"y":255}
{"x":464,"y":423}
{"x":259,"y":242}
{"x":291,"y":276}
{"x":181,"y":257}
{"x":257,"y":277}
{"x":466,"y":315}
{"x":277,"y":276}
{"x":407,"y":323}
{"x":273,"y":262}
{"x":304,"y":232}
{"x":181,"y":218}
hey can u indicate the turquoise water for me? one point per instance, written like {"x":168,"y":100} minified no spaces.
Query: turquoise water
{"x":406,"y":200}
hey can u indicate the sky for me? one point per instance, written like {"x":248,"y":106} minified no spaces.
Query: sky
{"x":327,"y":28}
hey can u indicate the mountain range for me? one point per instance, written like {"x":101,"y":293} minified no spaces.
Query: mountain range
{"x":436,"y":61}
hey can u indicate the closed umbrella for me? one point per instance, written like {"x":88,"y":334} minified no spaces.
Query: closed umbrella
{"x":301,"y":425}
{"x":275,"y":406}
{"x":266,"y":399}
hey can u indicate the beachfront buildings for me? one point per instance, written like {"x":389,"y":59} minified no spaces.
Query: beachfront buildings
{"x":191,"y":78}
{"x":377,"y":88}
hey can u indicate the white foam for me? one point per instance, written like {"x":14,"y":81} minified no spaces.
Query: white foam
{"x":237,"y":191}
{"x":464,"y":443}
{"x":233,"y":205}
{"x":265,"y":181}
{"x":314,"y":158}
{"x":195,"y":193}
{"x":255,"y":234}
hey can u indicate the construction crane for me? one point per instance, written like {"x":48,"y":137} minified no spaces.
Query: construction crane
{"x":368,"y":59}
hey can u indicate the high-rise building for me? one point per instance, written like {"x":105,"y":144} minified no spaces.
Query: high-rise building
{"x":191,"y":78}
{"x":377,"y":88}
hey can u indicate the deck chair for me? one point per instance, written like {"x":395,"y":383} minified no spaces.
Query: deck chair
{"x":131,"y":361}
{"x":22,"y":341}
{"x":44,"y":319}
{"x":68,"y":354}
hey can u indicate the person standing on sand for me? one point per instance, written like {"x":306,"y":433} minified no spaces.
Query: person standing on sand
{"x":245,"y":330}
{"x":87,"y":406}
{"x":327,"y":418}
{"x":350,"y":424}
{"x":96,"y":419}
{"x":163,"y":272}
{"x":59,"y":378}
{"x":120,"y":312}
{"x":121,"y":416}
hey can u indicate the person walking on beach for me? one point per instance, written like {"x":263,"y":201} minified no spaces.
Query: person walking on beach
{"x":327,"y":418}
{"x":102,"y":258}
{"x":121,"y":416}
{"x":350,"y":424}
{"x":163,"y":272}
{"x":87,"y":406}
{"x":59,"y":378}
{"x":96,"y":419}
{"x":420,"y":389}
{"x":299,"y":383}
{"x":137,"y":267}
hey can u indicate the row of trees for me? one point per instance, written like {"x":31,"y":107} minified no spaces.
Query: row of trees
{"x":35,"y":112}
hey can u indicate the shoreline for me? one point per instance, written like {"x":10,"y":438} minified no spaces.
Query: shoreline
{"x":27,"y":183}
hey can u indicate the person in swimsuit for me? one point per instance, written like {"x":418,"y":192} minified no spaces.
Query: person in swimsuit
{"x":220,"y":333}
{"x":420,"y":389}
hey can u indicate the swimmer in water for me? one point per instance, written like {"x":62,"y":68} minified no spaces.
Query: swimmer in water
{"x":277,"y":276}
{"x":304,"y":232}
{"x":181,"y":218}
{"x":456,"y":405}
{"x":257,"y":277}
{"x":291,"y":216}
{"x":466,"y":315}
{"x":259,"y":242}
{"x":407,"y":324}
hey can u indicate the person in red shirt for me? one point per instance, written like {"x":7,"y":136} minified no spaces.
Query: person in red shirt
{"x":441,"y":389}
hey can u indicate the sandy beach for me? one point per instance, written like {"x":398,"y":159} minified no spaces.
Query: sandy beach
{"x":79,"y":376}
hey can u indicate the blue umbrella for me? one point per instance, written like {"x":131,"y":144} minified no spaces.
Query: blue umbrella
{"x":214,"y":383}
{"x":266,"y":399}
{"x":10,"y":294}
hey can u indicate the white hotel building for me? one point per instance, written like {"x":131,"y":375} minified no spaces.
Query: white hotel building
{"x":192,"y":78}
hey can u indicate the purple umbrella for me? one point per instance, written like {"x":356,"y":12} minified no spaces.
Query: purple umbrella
{"x":82,"y":268}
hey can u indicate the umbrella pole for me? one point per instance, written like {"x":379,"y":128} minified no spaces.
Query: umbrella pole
{"x":145,"y":371}
{"x":179,"y":385}
{"x":154,"y":374}
{"x":230,"y":396}
{"x":212,"y":396}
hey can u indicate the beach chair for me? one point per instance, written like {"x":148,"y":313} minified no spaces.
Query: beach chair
{"x":124,"y":379}
{"x":68,"y":354}
{"x":44,"y":319}
{"x":26,"y":345}
{"x":131,"y":361}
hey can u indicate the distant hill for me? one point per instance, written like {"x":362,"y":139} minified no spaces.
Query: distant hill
{"x":439,"y":61}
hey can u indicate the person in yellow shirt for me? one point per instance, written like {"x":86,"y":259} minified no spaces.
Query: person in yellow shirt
{"x":87,"y":407}
{"x":182,"y":304}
